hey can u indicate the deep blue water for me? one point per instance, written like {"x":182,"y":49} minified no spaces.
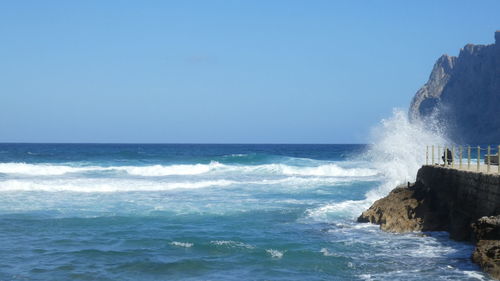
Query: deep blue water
{"x":204,"y":212}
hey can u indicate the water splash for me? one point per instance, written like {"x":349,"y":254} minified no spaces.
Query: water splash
{"x":398,"y":149}
{"x":397,"y":152}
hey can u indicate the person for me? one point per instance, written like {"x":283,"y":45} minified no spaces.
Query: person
{"x":449,"y":155}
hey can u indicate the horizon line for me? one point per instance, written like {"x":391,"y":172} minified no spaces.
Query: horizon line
{"x":187,"y":143}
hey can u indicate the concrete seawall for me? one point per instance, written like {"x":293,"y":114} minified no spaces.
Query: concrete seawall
{"x":464,"y":203}
{"x":460,"y":197}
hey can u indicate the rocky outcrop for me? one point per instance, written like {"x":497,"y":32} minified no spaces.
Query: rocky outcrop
{"x":487,"y":228}
{"x":404,"y":210}
{"x":462,"y":94}
{"x":443,"y":199}
{"x":487,"y":237}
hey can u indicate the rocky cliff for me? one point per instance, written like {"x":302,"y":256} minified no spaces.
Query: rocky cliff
{"x":445,"y":199}
{"x":463,"y":94}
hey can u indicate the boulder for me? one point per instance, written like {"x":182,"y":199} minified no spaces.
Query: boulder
{"x":487,"y":252}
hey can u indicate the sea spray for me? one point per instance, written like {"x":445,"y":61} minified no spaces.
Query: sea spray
{"x":397,"y":152}
{"x":399,"y":148}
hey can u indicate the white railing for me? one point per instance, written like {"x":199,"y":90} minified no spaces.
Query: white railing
{"x":450,"y":152}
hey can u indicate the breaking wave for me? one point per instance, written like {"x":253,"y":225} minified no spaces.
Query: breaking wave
{"x":397,"y":151}
{"x":105,"y":185}
{"x":325,"y":170}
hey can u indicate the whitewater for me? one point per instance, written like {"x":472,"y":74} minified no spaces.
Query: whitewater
{"x":216,"y":212}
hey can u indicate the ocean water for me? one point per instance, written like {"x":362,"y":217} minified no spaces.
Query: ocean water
{"x":208,"y":212}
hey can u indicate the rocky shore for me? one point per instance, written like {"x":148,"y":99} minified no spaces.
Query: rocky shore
{"x":464,"y":203}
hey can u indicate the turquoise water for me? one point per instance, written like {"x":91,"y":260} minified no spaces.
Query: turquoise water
{"x":205,"y":212}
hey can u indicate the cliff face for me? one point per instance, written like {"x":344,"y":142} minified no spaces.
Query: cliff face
{"x":463,"y":94}
{"x":445,"y":199}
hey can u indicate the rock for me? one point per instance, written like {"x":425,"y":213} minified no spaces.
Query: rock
{"x":400,"y":211}
{"x":487,"y":228}
{"x":487,"y":252}
{"x":461,"y":94}
{"x":487,"y":256}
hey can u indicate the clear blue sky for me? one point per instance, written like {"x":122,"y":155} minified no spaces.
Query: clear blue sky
{"x":221,"y":71}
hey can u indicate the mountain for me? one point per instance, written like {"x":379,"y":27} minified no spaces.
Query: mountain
{"x":463,"y":95}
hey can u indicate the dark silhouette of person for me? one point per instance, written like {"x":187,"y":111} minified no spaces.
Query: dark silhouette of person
{"x":449,"y":155}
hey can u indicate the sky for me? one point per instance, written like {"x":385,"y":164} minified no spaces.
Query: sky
{"x":279,"y":71}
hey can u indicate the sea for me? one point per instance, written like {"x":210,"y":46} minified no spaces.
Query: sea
{"x":213,"y":212}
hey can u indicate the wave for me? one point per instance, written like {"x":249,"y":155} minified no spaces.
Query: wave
{"x":181,"y":244}
{"x":41,"y":169}
{"x":160,"y":170}
{"x":275,"y":254}
{"x":349,"y":208}
{"x":290,"y":183}
{"x":231,"y":244}
{"x":328,"y":170}
{"x":325,"y":170}
{"x":106,"y":185}
{"x":398,"y":151}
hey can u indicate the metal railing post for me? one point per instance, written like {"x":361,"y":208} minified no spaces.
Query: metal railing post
{"x":439,"y":154}
{"x":478,"y":157}
{"x":460,"y":157}
{"x":433,"y":155}
{"x":453,"y":156}
{"x":468,"y":157}
{"x":427,"y":155}
{"x":488,"y":159}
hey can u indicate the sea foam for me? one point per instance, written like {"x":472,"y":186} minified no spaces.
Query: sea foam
{"x":275,"y":253}
{"x":105,"y":185}
{"x":325,"y":170}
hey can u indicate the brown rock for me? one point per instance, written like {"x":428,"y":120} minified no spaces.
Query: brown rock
{"x":487,"y":256}
{"x":487,"y":228}
{"x":487,"y":252}
{"x":397,"y":212}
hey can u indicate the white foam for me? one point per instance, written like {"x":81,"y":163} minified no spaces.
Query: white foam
{"x":40,"y":169}
{"x":182,"y":244}
{"x":147,"y":171}
{"x":124,"y":184}
{"x":230,"y":243}
{"x":275,"y":253}
{"x":474,"y":275}
{"x":327,"y":253}
{"x":105,"y":185}
{"x":366,"y":277}
{"x":349,"y":208}
{"x":160,"y":170}
{"x":326,"y":170}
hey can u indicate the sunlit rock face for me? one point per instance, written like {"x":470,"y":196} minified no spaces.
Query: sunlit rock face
{"x":463,"y":94}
